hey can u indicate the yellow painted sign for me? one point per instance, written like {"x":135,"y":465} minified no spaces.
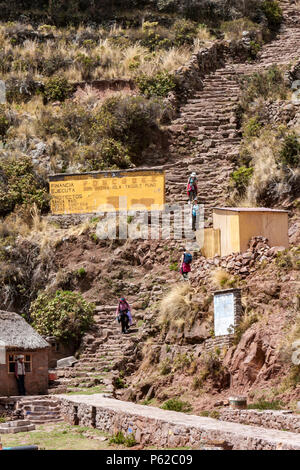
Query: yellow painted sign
{"x":106,"y":191}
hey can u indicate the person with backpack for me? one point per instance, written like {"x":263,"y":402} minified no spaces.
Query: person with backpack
{"x":192,"y":188}
{"x":195,"y":215}
{"x":185,"y":267}
{"x":124,"y":315}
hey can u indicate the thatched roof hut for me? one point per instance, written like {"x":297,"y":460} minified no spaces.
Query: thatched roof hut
{"x":16,"y":333}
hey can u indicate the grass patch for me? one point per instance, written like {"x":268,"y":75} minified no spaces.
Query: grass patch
{"x":175,"y":404}
{"x":262,"y":404}
{"x":89,"y":391}
{"x":57,"y":437}
{"x":119,"y":438}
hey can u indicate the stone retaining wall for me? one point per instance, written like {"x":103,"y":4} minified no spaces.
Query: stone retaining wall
{"x":153,"y":426}
{"x":220,"y":342}
{"x":283,"y":420}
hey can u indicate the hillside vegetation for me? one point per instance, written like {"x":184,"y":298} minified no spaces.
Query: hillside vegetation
{"x":99,"y":85}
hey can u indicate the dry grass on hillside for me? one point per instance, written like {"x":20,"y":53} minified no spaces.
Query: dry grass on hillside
{"x":177,"y":307}
{"x":234,"y":29}
{"x":222,"y":279}
{"x":114,"y":53}
{"x":29,"y":224}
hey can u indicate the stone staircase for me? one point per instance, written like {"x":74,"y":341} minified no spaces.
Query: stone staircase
{"x":104,"y":348}
{"x":205,"y":138}
{"x":40,"y":409}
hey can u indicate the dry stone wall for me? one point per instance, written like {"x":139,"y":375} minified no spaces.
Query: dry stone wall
{"x":284,"y":420}
{"x":241,"y":264}
{"x":153,"y":426}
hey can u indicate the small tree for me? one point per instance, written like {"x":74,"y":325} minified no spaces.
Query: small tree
{"x":64,"y":314}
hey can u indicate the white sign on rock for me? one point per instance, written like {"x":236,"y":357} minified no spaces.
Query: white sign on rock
{"x":224,"y":314}
{"x":2,"y":353}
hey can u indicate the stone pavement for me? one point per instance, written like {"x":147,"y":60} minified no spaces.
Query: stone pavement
{"x":154,"y":426}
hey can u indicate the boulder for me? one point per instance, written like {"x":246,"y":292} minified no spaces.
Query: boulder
{"x":198,"y":332}
{"x":66,"y":362}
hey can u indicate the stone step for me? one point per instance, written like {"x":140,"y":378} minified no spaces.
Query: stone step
{"x":48,"y":420}
{"x":16,"y":429}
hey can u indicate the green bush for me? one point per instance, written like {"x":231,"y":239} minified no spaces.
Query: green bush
{"x":255,"y":47}
{"x":185,"y":31}
{"x":273,"y":12}
{"x":252,"y":127}
{"x":20,"y":185}
{"x":57,"y":88}
{"x":63,"y":314}
{"x":241,"y":178}
{"x":130,"y":440}
{"x":119,"y":383}
{"x":73,"y":122}
{"x":157,"y":85}
{"x":153,"y":37}
{"x":81,"y":272}
{"x":175,"y":404}
{"x":290,"y":151}
{"x":108,"y":154}
{"x":117,"y":438}
{"x":174,"y":266}
{"x":113,"y":154}
{"x":86,"y":64}
{"x":131,"y":120}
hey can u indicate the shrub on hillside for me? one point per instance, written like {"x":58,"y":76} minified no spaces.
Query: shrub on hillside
{"x":20,"y":185}
{"x":108,"y":154}
{"x":153,"y":36}
{"x":114,"y":135}
{"x":86,"y":65}
{"x":131,"y":120}
{"x":57,"y":88}
{"x":19,"y":90}
{"x":252,"y":127}
{"x":64,"y":314}
{"x":241,"y":178}
{"x":185,"y":31}
{"x":176,"y":404}
{"x":157,"y":85}
{"x":72,"y":122}
{"x":290,"y":151}
{"x":273,"y":12}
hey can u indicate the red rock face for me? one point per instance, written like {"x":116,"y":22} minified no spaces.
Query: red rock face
{"x":248,"y":360}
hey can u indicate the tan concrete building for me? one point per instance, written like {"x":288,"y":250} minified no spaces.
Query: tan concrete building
{"x":17,"y":337}
{"x":233,"y":227}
